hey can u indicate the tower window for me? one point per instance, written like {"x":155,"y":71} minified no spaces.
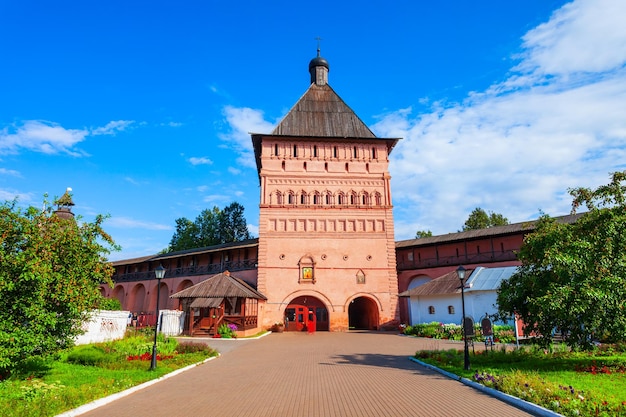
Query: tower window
{"x":373,"y":153}
{"x":356,"y":152}
{"x":315,"y":151}
{"x":276,"y":149}
{"x":295,"y":150}
{"x":334,"y":152}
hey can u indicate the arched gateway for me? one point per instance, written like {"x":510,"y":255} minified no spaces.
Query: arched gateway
{"x":306,"y":313}
{"x":363,"y":314}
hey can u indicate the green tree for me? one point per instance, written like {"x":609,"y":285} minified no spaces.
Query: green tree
{"x":233,"y":225}
{"x":211,"y":227}
{"x":480,"y":219}
{"x":208,"y":224}
{"x":573,"y":276}
{"x":50,"y":273}
{"x":185,"y":236}
{"x":423,"y":233}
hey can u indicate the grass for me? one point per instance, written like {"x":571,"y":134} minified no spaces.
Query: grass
{"x":52,"y":385}
{"x":570,"y":383}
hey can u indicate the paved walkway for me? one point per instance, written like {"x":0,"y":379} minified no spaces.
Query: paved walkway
{"x":323,"y":374}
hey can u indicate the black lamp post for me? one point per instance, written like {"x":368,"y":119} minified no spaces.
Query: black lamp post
{"x":160,"y":273}
{"x":460,"y":271}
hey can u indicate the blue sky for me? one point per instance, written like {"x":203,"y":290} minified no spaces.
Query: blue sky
{"x":144,"y":108}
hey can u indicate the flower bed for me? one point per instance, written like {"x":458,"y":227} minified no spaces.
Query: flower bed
{"x":451,"y":331}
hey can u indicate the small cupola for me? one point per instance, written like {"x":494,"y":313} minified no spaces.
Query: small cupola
{"x":318,"y":68}
{"x":64,"y":205}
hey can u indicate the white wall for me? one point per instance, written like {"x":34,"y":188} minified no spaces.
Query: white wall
{"x":103,"y":326}
{"x":477,"y":303}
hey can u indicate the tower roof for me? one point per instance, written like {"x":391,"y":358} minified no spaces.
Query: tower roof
{"x":321,"y":112}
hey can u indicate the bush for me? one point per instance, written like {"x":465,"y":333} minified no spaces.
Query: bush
{"x":89,"y":355}
{"x":191,"y":347}
{"x":227,"y":331}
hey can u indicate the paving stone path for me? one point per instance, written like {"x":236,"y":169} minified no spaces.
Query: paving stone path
{"x":323,"y":374}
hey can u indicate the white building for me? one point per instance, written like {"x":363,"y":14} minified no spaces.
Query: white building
{"x":440,"y":299}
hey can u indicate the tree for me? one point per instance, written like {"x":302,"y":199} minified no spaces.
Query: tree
{"x":573,"y":276}
{"x":51,"y":269}
{"x":423,"y":233}
{"x":233,"y":225}
{"x":480,"y":219}
{"x":211,"y":227}
{"x":185,"y":235}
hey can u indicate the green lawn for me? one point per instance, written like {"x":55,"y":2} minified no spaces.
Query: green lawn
{"x":49,"y":386}
{"x":570,"y":383}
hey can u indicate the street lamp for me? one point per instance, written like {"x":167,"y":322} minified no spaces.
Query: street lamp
{"x":460,"y":271}
{"x":160,"y":273}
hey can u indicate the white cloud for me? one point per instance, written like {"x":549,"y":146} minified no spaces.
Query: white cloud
{"x":200,"y":161}
{"x":517,"y":147}
{"x":51,"y":138}
{"x":234,"y":171}
{"x":582,"y":36}
{"x":8,"y":195}
{"x":128,"y":223}
{"x":10,"y":172}
{"x":112,"y":128}
{"x":242,"y":122}
{"x":216,"y":199}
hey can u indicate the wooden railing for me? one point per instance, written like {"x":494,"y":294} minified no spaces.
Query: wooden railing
{"x":484,"y":258}
{"x":189,"y":271}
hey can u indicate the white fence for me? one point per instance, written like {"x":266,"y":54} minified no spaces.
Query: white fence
{"x":172,"y":322}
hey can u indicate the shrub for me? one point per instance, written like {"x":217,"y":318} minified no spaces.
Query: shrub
{"x":227,"y":331}
{"x":89,"y":355}
{"x":191,"y":347}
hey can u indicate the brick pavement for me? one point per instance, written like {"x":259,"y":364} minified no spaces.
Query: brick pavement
{"x":324,"y":374}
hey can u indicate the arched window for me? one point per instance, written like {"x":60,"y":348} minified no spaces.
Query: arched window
{"x":431,"y":309}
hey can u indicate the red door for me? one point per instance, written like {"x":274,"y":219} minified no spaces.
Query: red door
{"x":301,"y":318}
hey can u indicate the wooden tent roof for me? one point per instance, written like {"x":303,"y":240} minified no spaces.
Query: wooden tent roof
{"x":220,"y":286}
{"x":321,"y":112}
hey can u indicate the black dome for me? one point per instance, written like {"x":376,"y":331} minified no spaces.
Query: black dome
{"x":318,"y":62}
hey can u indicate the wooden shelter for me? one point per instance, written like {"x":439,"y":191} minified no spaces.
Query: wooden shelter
{"x":220,"y":299}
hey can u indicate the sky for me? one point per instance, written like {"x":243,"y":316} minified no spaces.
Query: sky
{"x":144,"y":108}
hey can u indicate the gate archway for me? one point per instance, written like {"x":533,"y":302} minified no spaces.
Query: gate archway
{"x":363,"y":314}
{"x":306,"y":313}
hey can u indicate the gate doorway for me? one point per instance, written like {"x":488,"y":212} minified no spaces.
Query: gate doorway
{"x":363,"y":314}
{"x":306,"y":314}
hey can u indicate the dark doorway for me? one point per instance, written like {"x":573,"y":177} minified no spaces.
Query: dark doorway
{"x":363,"y":314}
